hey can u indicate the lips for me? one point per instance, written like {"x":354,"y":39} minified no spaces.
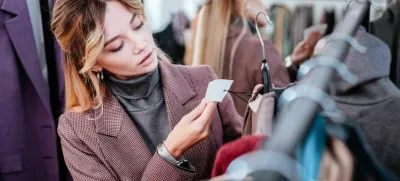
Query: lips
{"x":146,"y":57}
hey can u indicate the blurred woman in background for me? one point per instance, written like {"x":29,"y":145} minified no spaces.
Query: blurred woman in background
{"x":222,"y":40}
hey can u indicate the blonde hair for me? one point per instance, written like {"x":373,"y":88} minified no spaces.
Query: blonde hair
{"x":79,"y":29}
{"x":211,"y":32}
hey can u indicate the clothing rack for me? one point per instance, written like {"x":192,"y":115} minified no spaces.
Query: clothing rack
{"x":293,"y":126}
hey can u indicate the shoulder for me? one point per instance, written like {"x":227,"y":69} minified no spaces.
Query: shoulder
{"x":251,"y":49}
{"x":76,"y":123}
{"x":249,"y":41}
{"x":205,"y":70}
{"x":200,"y":72}
{"x":196,"y":78}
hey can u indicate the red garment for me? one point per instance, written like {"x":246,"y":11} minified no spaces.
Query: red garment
{"x":232,"y":150}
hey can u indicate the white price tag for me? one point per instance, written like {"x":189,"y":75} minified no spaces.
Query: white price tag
{"x":217,"y":89}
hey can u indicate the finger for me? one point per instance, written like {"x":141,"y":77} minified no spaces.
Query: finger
{"x":209,"y":120}
{"x":316,"y":37}
{"x":314,"y":34}
{"x":196,"y":112}
{"x":207,"y":113}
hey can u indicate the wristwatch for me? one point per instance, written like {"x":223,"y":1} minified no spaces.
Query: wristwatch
{"x":181,"y":163}
{"x":289,"y":63}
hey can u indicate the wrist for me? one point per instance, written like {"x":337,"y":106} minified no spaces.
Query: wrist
{"x":172,"y":150}
{"x":289,"y":61}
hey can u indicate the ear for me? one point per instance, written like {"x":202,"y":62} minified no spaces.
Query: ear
{"x":97,"y":68}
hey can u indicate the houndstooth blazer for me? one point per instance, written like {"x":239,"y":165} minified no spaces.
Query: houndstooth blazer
{"x":110,"y":148}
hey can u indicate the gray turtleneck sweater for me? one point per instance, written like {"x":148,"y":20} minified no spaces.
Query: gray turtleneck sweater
{"x":143,"y":100}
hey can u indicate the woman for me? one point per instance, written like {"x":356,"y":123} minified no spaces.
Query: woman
{"x":130,"y":114}
{"x":223,"y":41}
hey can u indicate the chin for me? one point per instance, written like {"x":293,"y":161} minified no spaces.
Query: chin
{"x":152,"y":66}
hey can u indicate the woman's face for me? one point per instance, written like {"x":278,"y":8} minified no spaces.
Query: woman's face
{"x":129,"y":48}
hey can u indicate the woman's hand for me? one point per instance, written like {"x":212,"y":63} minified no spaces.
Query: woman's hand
{"x":192,"y":128}
{"x":304,"y":50}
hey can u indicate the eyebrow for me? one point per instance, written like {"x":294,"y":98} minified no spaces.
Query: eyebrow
{"x":116,"y":37}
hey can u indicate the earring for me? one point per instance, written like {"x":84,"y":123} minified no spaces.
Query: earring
{"x":100,"y":76}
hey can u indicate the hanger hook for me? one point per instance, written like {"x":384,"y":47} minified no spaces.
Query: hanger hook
{"x":349,"y":2}
{"x":259,"y":34}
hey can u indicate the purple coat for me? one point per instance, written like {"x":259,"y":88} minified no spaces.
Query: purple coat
{"x":28,"y":149}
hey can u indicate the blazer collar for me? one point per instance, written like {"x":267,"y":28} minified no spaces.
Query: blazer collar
{"x":110,"y":116}
{"x":13,"y":6}
{"x":19,"y":29}
{"x":16,"y":6}
{"x":174,"y":81}
{"x":113,"y":115}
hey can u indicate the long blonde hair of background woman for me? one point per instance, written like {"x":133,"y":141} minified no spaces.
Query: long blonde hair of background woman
{"x":80,"y":34}
{"x":211,"y":31}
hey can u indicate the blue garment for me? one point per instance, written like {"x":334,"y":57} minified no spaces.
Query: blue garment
{"x":309,"y":154}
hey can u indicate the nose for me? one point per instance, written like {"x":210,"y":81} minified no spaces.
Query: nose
{"x":139,"y":44}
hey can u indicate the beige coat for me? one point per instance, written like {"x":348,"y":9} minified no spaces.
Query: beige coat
{"x":246,"y":70}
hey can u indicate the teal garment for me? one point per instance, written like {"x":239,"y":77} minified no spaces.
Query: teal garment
{"x":286,"y":45}
{"x":287,"y":38}
{"x":309,"y":154}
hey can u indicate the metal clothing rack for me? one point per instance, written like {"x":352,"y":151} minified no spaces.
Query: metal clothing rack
{"x":293,"y":126}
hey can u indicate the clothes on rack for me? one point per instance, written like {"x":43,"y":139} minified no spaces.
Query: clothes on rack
{"x":329,"y":19}
{"x":172,"y":40}
{"x":261,"y":110}
{"x":31,"y":84}
{"x":246,"y":64}
{"x":309,"y":154}
{"x":281,"y":35}
{"x":258,"y":103}
{"x":302,"y":19}
{"x":385,"y":29}
{"x":336,"y":163}
{"x":373,"y":101}
{"x":332,"y":151}
{"x":232,"y":150}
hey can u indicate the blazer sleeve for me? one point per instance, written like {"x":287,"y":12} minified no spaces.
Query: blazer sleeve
{"x":232,"y":122}
{"x":80,"y":160}
{"x":84,"y":165}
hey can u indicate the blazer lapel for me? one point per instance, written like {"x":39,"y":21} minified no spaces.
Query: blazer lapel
{"x":21,"y":34}
{"x":177,"y":92}
{"x":180,"y":99}
{"x":120,"y":141}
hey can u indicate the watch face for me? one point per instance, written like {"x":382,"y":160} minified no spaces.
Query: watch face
{"x":183,"y":163}
{"x":288,"y":61}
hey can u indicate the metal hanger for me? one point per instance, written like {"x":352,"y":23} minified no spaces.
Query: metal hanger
{"x":266,"y":77}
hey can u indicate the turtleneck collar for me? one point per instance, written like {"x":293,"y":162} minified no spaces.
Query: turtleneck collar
{"x":134,"y":88}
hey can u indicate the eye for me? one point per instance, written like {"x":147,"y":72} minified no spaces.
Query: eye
{"x":119,"y":48}
{"x":140,"y":25}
